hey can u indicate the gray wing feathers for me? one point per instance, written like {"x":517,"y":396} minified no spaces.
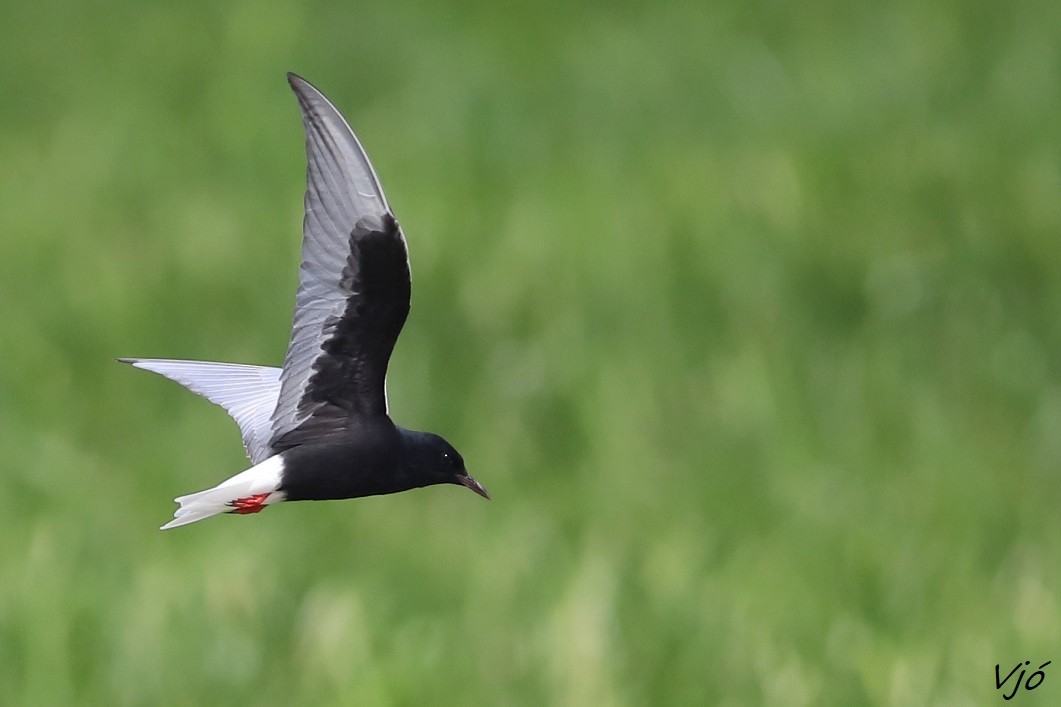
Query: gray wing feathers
{"x":348,"y":186}
{"x":342,"y":188}
{"x":247,"y":393}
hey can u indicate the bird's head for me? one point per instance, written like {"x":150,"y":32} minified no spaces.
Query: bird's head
{"x":435,"y":460}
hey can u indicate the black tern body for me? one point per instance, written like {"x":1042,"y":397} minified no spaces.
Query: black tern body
{"x":319,"y":427}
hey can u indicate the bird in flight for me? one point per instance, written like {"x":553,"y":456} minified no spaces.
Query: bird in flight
{"x":319,"y":428}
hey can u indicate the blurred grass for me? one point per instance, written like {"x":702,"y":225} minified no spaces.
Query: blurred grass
{"x":745,"y":313}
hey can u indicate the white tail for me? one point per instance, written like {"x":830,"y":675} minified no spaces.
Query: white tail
{"x":247,"y":492}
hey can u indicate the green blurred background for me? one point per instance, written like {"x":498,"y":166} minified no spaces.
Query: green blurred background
{"x":747,"y":314}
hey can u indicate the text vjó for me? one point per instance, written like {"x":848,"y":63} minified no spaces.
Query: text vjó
{"x":1038,"y":676}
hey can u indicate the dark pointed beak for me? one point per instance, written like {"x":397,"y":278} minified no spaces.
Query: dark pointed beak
{"x":473,"y":485}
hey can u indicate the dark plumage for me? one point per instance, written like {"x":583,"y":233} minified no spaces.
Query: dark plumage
{"x":319,"y":427}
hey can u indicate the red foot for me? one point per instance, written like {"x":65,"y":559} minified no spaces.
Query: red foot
{"x":250,"y":504}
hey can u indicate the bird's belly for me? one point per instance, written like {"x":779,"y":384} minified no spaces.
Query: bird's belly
{"x":335,"y":473}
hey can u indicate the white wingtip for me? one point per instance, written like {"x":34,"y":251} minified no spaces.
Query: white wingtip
{"x":248,"y":393}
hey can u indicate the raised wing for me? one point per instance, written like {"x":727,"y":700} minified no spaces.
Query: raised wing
{"x":247,"y":393}
{"x":353,"y":294}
